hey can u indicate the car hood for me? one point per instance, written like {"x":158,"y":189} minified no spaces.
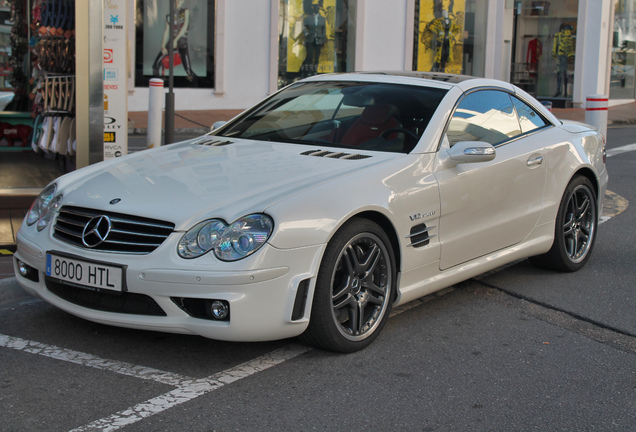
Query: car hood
{"x":210,"y":177}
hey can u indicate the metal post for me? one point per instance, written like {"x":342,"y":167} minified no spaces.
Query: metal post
{"x":169,"y":122}
{"x":155,"y":108}
{"x":596,"y":112}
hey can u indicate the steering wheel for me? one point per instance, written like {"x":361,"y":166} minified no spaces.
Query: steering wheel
{"x":404,"y":130}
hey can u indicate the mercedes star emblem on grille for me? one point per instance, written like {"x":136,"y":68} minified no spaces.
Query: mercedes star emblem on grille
{"x":96,"y":231}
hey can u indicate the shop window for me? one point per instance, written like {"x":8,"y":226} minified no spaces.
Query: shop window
{"x":622,"y":84}
{"x":315,"y":37}
{"x":193,"y":30}
{"x":5,"y":45}
{"x":543,"y":49}
{"x":450,"y":36}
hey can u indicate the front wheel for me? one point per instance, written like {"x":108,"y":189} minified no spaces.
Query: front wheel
{"x":354,"y":289}
{"x":575,"y":229}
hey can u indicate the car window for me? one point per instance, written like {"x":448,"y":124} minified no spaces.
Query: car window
{"x":529,"y":119}
{"x":370,"y":116}
{"x":486,"y":115}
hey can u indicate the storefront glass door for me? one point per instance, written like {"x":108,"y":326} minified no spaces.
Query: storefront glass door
{"x":622,"y":85}
{"x":544,"y":49}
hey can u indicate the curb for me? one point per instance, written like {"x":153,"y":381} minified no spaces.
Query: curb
{"x":622,"y":122}
{"x":177,"y":131}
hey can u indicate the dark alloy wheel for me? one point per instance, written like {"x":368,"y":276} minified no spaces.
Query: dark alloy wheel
{"x":575,"y":229}
{"x":354,"y":289}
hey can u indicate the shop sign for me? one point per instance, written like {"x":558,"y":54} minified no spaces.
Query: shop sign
{"x":114,"y":77}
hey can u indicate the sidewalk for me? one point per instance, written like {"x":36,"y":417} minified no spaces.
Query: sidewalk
{"x":616,"y":115}
{"x":184,"y":121}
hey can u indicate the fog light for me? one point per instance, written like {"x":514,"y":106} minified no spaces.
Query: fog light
{"x":220,"y":309}
{"x":23,"y":269}
{"x":27,"y":272}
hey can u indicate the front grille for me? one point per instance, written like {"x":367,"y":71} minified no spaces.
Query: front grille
{"x":128,"y":234}
{"x":124,"y":302}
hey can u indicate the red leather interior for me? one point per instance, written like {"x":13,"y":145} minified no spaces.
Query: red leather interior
{"x":374,"y":120}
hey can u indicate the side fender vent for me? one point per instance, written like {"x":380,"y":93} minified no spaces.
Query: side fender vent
{"x":420,"y":236}
{"x":334,"y":155}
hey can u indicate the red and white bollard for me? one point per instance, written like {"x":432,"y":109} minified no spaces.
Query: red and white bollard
{"x":155,"y":109}
{"x":596,"y":112}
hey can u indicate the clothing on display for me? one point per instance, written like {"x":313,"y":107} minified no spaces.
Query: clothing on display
{"x":53,"y":65}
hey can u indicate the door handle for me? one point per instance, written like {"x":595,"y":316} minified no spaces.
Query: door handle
{"x":535,"y":160}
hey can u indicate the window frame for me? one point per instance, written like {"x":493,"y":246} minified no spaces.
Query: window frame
{"x":510,"y":94}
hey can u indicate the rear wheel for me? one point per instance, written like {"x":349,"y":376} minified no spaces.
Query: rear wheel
{"x":354,"y":289}
{"x":575,"y":229}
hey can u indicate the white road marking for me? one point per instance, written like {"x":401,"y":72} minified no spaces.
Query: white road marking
{"x":622,"y":149}
{"x":187,"y":388}
{"x":193,"y":389}
{"x":90,"y":360}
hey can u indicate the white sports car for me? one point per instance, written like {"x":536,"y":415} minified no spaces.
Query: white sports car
{"x":317,"y":210}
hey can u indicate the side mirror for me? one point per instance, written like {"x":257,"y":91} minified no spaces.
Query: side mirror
{"x":471,"y":151}
{"x":217,"y":125}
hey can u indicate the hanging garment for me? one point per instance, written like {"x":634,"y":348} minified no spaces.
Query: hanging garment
{"x":535,"y":49}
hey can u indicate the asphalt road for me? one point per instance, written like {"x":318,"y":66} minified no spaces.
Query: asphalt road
{"x":518,"y":349}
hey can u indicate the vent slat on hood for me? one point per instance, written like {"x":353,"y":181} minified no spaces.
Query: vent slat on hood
{"x":334,"y":155}
{"x":214,"y":142}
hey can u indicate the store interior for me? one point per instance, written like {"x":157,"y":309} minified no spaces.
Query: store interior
{"x":37,"y":91}
{"x":544,"y":34}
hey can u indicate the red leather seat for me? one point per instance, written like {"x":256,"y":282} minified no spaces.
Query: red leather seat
{"x":374,"y":120}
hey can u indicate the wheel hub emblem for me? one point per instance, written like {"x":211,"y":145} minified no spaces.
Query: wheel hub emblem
{"x":96,"y":231}
{"x":355,"y":286}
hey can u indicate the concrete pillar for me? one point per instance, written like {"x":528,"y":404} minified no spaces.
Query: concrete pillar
{"x":89,"y":84}
{"x":592,"y":63}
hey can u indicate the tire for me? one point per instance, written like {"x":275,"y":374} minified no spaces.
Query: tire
{"x":575,"y":229}
{"x":355,"y":289}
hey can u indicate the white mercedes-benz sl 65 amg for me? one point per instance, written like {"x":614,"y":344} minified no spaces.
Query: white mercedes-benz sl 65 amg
{"x":317,"y":210}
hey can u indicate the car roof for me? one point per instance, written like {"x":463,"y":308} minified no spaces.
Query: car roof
{"x":437,"y":76}
{"x":430,"y":79}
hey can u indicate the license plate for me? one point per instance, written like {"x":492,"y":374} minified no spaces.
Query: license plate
{"x":86,"y":273}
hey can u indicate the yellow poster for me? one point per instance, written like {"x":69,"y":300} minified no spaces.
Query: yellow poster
{"x":441,"y":36}
{"x":310,"y":36}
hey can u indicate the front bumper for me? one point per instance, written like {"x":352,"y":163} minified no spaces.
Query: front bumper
{"x":260,"y":290}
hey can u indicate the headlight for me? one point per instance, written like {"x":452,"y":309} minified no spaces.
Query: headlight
{"x":44,"y":207}
{"x":49,"y":212}
{"x":229,"y":242}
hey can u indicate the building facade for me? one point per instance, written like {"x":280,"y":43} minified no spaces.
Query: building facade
{"x":228,"y":54}
{"x":236,"y":52}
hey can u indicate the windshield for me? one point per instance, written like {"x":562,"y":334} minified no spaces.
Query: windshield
{"x":370,"y":116}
